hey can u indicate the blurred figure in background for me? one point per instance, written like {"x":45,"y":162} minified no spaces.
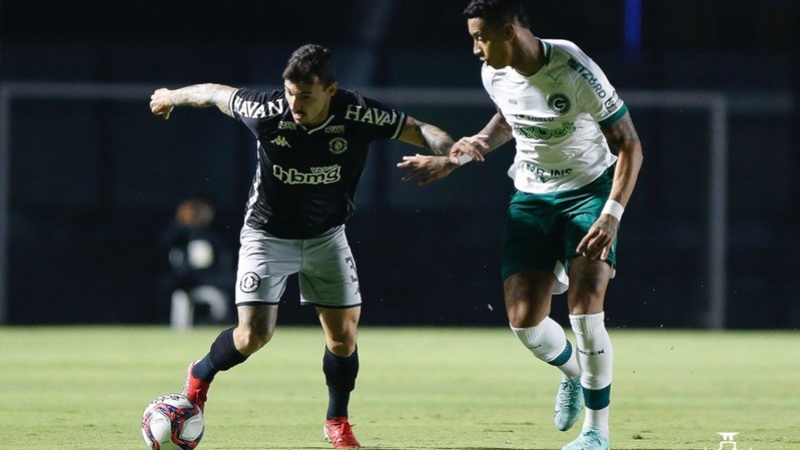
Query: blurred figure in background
{"x":201,"y":265}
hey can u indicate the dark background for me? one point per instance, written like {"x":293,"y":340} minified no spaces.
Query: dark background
{"x":94,"y":182}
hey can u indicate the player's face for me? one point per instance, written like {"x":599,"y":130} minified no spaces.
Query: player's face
{"x":489,"y":44}
{"x":309,"y":103}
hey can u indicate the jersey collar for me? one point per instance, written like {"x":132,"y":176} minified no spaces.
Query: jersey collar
{"x":547,"y":49}
{"x":320,"y":126}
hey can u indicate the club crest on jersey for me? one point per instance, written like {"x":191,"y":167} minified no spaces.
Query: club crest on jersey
{"x":249,"y":282}
{"x":337,"y":145}
{"x":559,"y":103}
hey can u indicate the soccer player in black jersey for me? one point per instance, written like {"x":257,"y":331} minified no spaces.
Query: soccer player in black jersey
{"x":312,"y":147}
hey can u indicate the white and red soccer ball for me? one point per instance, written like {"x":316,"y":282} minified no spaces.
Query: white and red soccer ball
{"x":172,"y":422}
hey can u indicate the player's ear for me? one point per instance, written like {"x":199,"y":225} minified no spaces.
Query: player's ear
{"x":509,"y":30}
{"x":332,"y":88}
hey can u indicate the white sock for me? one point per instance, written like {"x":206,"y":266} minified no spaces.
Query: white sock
{"x":548,"y":342}
{"x":596,"y":357}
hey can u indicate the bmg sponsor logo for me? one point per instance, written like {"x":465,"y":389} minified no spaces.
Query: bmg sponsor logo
{"x":317,"y":175}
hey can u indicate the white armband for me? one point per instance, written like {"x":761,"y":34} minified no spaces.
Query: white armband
{"x":613,"y":208}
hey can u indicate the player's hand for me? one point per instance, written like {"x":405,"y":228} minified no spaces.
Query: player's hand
{"x":161,"y":103}
{"x":472,"y":147}
{"x":427,"y":168}
{"x":597,"y":242}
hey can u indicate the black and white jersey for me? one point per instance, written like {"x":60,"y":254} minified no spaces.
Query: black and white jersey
{"x":306,"y":179}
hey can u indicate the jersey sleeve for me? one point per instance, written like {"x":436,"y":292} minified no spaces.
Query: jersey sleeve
{"x":383,"y":122}
{"x":593,"y":90}
{"x":251,"y":107}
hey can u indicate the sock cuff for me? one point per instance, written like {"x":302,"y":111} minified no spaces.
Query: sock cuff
{"x":223,"y":353}
{"x":547,"y":341}
{"x":597,"y":399}
{"x":563,"y":358}
{"x":587,"y":323}
{"x":527,"y":334}
{"x":330,"y":354}
{"x":532,"y":333}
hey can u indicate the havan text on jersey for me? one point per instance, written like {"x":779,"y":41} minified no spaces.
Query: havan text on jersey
{"x":256,"y":110}
{"x":370,"y":115}
{"x":318,"y":175}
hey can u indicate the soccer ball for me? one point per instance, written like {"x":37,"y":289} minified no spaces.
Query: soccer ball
{"x":172,"y":422}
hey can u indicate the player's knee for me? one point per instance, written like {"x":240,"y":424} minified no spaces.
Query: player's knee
{"x":342,"y":346}
{"x":250,"y":340}
{"x":525,"y":313}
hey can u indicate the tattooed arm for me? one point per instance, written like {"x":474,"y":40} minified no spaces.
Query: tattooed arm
{"x":163,"y":100}
{"x":496,"y":133}
{"x":426,"y":136}
{"x":427,"y":169}
{"x":621,"y":135}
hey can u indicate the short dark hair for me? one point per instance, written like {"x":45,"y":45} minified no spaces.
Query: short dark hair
{"x":497,"y":12}
{"x":308,"y":61}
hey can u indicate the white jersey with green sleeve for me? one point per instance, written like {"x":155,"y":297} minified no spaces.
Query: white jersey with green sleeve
{"x":555,"y":115}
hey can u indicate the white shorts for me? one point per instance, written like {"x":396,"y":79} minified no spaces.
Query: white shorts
{"x":324,"y":264}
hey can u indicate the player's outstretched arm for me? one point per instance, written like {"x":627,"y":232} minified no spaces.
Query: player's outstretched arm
{"x":425,"y":135}
{"x":472,"y":148}
{"x":427,"y":169}
{"x":164,"y":100}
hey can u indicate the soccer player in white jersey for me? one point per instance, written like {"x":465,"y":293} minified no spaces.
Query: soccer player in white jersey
{"x":571,"y":190}
{"x":313,"y":140}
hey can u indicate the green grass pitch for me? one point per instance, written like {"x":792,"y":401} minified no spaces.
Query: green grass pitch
{"x":419,"y":388}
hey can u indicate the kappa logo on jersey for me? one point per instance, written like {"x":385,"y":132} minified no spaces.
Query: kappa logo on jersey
{"x":370,"y":115}
{"x":280,"y":141}
{"x":256,"y":110}
{"x":559,"y":103}
{"x":318,"y":175}
{"x":337,"y":145}
{"x":543,"y":133}
{"x":589,"y":76}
